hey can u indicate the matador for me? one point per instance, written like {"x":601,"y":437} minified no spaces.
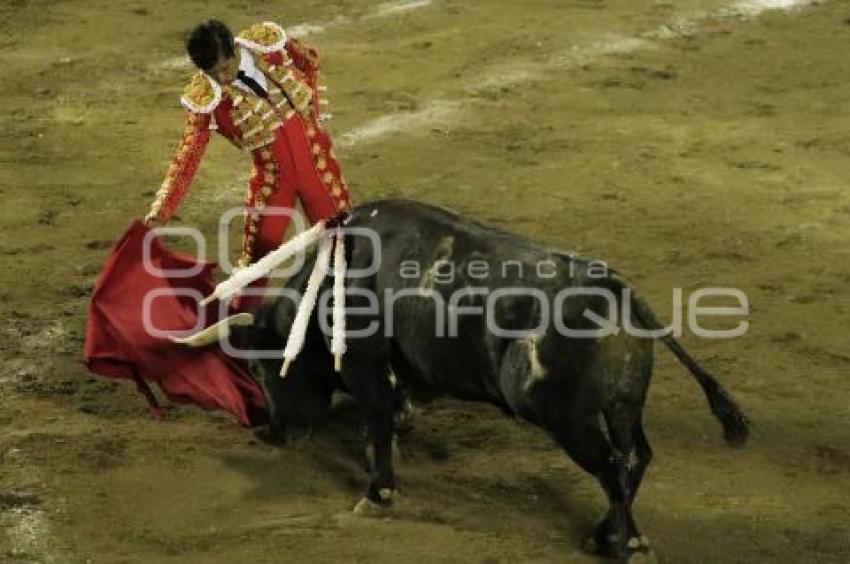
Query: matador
{"x":260,"y":90}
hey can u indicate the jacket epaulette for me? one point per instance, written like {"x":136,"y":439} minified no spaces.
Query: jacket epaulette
{"x":202,"y":94}
{"x":265,"y":37}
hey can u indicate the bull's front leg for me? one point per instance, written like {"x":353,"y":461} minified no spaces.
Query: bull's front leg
{"x":372,"y":388}
{"x":382,"y":486}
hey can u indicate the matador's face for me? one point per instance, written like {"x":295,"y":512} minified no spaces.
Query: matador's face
{"x":224,"y":71}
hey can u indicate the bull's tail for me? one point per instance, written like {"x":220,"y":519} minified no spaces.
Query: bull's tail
{"x":735,"y":423}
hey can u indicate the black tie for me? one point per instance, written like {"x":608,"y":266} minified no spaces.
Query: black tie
{"x":252,"y":84}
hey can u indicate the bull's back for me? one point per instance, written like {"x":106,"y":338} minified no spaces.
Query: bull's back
{"x":428,"y":262}
{"x":397,"y":218}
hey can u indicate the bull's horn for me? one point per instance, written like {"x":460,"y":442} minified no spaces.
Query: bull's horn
{"x":215,"y":332}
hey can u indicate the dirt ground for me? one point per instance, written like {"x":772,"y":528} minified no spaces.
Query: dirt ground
{"x":685,"y":143}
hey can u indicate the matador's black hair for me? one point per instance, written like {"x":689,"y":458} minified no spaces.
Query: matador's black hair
{"x":208,"y":42}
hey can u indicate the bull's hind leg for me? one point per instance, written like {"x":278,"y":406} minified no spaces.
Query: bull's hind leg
{"x":584,"y":441}
{"x":629,"y":443}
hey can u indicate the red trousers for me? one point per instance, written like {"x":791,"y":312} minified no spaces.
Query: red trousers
{"x":299,"y":164}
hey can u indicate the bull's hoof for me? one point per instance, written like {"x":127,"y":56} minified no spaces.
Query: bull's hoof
{"x":637,"y":549}
{"x":640,"y":551}
{"x":368,"y":508}
{"x":601,"y":544}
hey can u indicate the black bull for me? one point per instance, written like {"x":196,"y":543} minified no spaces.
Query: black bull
{"x":587,"y":393}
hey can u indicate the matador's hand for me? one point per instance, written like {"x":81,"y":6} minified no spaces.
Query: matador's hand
{"x":152,"y":220}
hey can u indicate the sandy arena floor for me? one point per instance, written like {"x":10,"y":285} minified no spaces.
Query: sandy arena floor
{"x":688,"y":142}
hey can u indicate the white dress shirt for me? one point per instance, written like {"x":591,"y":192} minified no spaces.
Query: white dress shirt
{"x":246,"y":65}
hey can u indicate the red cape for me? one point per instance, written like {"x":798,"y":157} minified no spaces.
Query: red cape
{"x":118,"y":345}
